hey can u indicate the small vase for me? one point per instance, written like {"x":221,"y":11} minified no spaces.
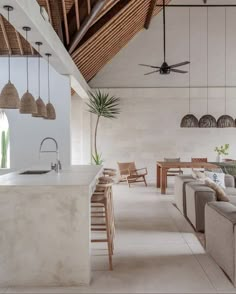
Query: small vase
{"x":218,"y":158}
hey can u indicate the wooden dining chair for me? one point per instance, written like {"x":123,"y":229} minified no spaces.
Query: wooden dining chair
{"x":130,"y":174}
{"x":199,"y":159}
{"x":173,"y":172}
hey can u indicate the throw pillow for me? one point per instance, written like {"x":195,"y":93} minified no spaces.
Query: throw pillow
{"x":220,"y":193}
{"x":197,"y":175}
{"x":218,"y":178}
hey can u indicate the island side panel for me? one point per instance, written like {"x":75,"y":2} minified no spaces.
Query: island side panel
{"x":45,"y":235}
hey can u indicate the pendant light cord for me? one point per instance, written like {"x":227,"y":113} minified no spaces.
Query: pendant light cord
{"x":48,"y":82}
{"x":225,"y":58}
{"x":9,"y":60}
{"x":189,"y":60}
{"x":207,"y":59}
{"x":39,"y":70}
{"x":27,"y":62}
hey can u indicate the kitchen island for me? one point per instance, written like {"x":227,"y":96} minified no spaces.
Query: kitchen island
{"x":45,"y":227}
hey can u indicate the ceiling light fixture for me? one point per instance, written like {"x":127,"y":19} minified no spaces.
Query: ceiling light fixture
{"x":189,"y":120}
{"x":41,"y":108}
{"x":27,"y":103}
{"x":225,"y":121}
{"x":51,"y":113}
{"x":207,"y":120}
{"x":9,"y":98}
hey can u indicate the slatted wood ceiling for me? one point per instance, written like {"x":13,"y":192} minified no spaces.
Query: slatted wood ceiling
{"x":100,"y":44}
{"x":91,"y":56}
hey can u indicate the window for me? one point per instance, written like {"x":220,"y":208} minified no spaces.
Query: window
{"x":4,"y":137}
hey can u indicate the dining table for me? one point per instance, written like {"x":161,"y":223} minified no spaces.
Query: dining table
{"x":163,"y":167}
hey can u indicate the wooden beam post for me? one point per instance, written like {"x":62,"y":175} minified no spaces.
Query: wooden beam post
{"x":150,"y":13}
{"x":86,"y":25}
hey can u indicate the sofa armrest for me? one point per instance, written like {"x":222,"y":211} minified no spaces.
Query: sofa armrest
{"x":220,"y":219}
{"x":229,"y":181}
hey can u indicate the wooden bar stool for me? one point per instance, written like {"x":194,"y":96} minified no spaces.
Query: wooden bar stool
{"x":102,"y":214}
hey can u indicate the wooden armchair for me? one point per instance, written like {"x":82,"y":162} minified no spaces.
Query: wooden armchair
{"x":130,"y":174}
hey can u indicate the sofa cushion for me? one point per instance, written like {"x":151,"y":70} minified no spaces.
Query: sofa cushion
{"x":220,"y":193}
{"x":218,"y":178}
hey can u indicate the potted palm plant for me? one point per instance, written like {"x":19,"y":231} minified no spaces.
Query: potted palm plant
{"x":102,"y":105}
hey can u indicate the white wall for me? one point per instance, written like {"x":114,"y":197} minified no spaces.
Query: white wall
{"x":26,"y":132}
{"x":149,"y":125}
{"x":80,"y":131}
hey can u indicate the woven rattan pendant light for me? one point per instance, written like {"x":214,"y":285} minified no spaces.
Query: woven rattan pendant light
{"x":207,"y":120}
{"x":27,"y":103}
{"x":225,"y":121}
{"x":9,"y":98}
{"x":41,"y":108}
{"x":189,"y":120}
{"x":51,"y":113}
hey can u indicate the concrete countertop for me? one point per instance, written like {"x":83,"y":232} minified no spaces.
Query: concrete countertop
{"x":75,"y":175}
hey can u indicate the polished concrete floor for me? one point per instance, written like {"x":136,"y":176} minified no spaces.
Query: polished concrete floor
{"x":156,"y":251}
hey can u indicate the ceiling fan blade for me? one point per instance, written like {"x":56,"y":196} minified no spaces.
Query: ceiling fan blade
{"x":179,"y":64}
{"x":177,"y":70}
{"x":146,"y":74}
{"x":149,"y":65}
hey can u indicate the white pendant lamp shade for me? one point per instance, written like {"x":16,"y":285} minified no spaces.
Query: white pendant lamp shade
{"x":27,"y":103}
{"x":9,"y":97}
{"x":41,"y":108}
{"x":51,"y":113}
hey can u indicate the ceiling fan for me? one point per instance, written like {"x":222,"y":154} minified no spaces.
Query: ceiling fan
{"x":165,"y":69}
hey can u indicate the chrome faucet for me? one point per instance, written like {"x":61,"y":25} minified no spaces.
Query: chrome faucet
{"x":57,"y":165}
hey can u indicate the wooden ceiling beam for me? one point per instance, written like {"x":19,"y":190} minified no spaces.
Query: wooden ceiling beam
{"x":77,"y":14}
{"x":5,"y":34}
{"x":109,"y":31}
{"x":19,"y":43}
{"x":49,"y":10}
{"x":65,"y":22}
{"x":57,"y":18}
{"x":86,"y":25}
{"x":89,"y":6}
{"x":150,"y":13}
{"x":126,"y":29}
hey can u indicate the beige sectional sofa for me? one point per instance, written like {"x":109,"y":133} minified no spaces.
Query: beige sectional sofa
{"x":218,"y":219}
{"x":220,"y":232}
{"x":191,"y":196}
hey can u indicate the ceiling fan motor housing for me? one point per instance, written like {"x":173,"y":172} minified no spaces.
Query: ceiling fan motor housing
{"x":165,"y":69}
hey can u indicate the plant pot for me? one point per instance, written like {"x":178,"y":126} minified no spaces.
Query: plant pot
{"x":218,"y":158}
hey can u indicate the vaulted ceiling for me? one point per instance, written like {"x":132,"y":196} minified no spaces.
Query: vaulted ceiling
{"x":93,"y":31}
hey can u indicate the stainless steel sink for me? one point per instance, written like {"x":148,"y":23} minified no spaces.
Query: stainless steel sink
{"x":35,"y":172}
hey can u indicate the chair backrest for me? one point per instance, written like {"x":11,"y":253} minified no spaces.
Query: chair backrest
{"x":125,"y":167}
{"x":200,"y":159}
{"x":172,"y":159}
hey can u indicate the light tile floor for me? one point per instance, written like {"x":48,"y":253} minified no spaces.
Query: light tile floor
{"x":156,"y":251}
